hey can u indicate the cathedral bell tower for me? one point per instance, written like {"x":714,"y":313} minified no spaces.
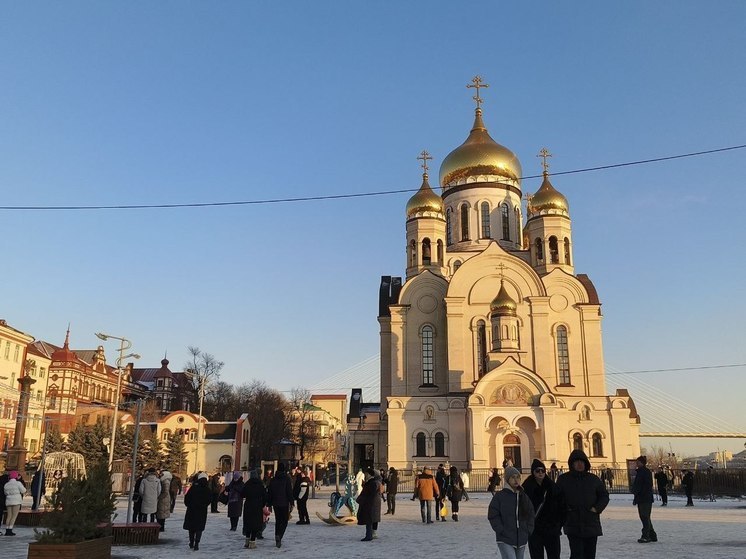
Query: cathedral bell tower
{"x":426,"y":228}
{"x":504,"y":322}
{"x":548,"y":229}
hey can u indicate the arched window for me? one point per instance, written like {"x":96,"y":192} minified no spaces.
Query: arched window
{"x":553,"y":250}
{"x":597,"y":445}
{"x":440,"y":444}
{"x":440,"y":252}
{"x":464,"y":222}
{"x":158,"y":402}
{"x":517,"y":213}
{"x":567,"y":251}
{"x":539,"y":244}
{"x":412,"y":253}
{"x":420,"y":447}
{"x":577,"y":441}
{"x":426,"y":252}
{"x":427,"y":355}
{"x":449,"y":230}
{"x":505,"y":216}
{"x":456,"y":265}
{"x":485,"y":220}
{"x":563,"y":355}
{"x":481,"y":348}
{"x":165,"y":435}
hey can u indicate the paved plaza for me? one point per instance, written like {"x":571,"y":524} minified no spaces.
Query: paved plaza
{"x":713,"y":530}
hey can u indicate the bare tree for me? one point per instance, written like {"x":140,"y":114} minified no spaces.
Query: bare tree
{"x":302,"y":422}
{"x":267,"y":412}
{"x":205,"y":371}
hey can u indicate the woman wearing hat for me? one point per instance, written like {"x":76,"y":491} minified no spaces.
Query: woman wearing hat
{"x":197,"y":499}
{"x":511,"y":516}
{"x":14,"y":491}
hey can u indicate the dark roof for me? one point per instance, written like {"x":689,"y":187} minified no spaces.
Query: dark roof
{"x":220,"y":430}
{"x":590,"y":288}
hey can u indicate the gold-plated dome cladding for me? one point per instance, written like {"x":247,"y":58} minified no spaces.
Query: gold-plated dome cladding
{"x":503,"y":304}
{"x":479,"y":155}
{"x":548,"y":198}
{"x":424,"y":200}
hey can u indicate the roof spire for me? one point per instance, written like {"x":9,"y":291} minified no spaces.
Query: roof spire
{"x":476,"y":83}
{"x":66,"y":345}
{"x":424,"y":157}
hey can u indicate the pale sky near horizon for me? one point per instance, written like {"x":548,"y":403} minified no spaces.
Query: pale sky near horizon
{"x":107,"y":103}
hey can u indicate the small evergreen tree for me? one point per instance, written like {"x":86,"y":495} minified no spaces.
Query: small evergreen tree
{"x":175,"y":459}
{"x":152,"y":454}
{"x":89,"y":443}
{"x":54,"y":441}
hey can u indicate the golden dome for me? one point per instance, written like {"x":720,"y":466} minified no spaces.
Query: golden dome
{"x":479,"y":155}
{"x":503,"y":304}
{"x":548,"y":198}
{"x":424,"y":200}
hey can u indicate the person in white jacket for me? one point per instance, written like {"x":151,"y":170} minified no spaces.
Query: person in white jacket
{"x":150,"y":488}
{"x":14,"y":492}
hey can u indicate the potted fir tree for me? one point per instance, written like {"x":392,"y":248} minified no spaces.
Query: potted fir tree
{"x":79,"y":524}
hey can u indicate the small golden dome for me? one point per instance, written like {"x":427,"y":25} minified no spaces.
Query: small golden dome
{"x":503,"y":304}
{"x":479,"y":155}
{"x":548,"y":198}
{"x":424,"y":200}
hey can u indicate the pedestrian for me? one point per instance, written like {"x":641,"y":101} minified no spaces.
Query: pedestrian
{"x":216,"y":488}
{"x":582,"y":498}
{"x":369,"y":501}
{"x":137,"y":515}
{"x":197,"y":499}
{"x":359,"y":481}
{"x":235,"y":499}
{"x":3,"y":480}
{"x":493,"y":482}
{"x":14,"y":491}
{"x":392,"y":486}
{"x":164,"y":499}
{"x":174,"y":489}
{"x":441,"y":479}
{"x":642,"y":489}
{"x":255,"y":498}
{"x":150,"y":488}
{"x":661,"y":481}
{"x":280,"y":499}
{"x":455,"y":491}
{"x":426,"y":490}
{"x":554,"y":472}
{"x":301,"y":498}
{"x":547,"y":522}
{"x":610,"y":478}
{"x":687,"y":482}
{"x":37,"y":488}
{"x":511,"y":516}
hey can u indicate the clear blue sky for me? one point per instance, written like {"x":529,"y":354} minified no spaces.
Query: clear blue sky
{"x":163,"y":102}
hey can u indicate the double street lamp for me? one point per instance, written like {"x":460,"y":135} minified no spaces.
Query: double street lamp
{"x":124,"y":345}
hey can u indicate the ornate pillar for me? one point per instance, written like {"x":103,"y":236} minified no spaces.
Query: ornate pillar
{"x":17,"y":453}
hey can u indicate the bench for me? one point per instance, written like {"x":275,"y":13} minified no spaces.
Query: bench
{"x":140,"y":533}
{"x":31,"y":517}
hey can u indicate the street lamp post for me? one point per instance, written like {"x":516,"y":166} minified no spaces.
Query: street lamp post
{"x":124,"y":345}
{"x":202,"y":381}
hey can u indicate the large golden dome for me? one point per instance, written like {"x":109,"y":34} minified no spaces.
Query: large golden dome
{"x":424,"y":200}
{"x":479,"y":155}
{"x":548,"y":198}
{"x":503,"y":304}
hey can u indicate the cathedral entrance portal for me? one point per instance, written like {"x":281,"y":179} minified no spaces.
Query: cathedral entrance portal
{"x":512,"y":450}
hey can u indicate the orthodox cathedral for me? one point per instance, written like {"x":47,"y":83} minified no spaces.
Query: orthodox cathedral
{"x":491,"y":348}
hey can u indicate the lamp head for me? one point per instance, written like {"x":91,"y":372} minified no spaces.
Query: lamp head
{"x":101,"y":336}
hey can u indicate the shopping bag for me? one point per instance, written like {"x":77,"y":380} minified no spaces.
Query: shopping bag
{"x":444,"y":510}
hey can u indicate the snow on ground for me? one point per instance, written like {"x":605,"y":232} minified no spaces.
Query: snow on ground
{"x":714,"y":530}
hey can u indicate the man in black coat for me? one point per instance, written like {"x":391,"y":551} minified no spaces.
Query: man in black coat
{"x":582,"y":498}
{"x":280,"y":499}
{"x":547,"y":524}
{"x":642,"y":489}
{"x":687,"y":483}
{"x":661,"y":480}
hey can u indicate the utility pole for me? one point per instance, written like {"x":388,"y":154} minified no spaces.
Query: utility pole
{"x":202,"y":381}
{"x":134,"y":460}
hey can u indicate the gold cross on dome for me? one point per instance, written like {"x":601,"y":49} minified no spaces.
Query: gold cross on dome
{"x":544,"y":154}
{"x":424,"y":156}
{"x":501,"y":267}
{"x":476,"y":83}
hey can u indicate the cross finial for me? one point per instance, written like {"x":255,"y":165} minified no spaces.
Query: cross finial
{"x":424,"y":157}
{"x":476,"y":83}
{"x":501,"y":267}
{"x":544,"y":154}
{"x":528,"y":197}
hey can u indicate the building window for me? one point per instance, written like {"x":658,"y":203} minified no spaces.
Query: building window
{"x":7,"y":350}
{"x":577,"y":441}
{"x":15,"y":355}
{"x":440,"y":444}
{"x":32,"y":447}
{"x":420,"y":447}
{"x":553,"y":250}
{"x":193,"y":435}
{"x":505,"y":216}
{"x":517,"y":213}
{"x":597,"y":446}
{"x":440,"y":252}
{"x":426,"y":257}
{"x":160,"y":382}
{"x":413,"y":253}
{"x":42,"y":372}
{"x":464,"y":222}
{"x":165,"y":435}
{"x":456,"y":265}
{"x":563,"y":355}
{"x":485,"y":220}
{"x":567,"y":251}
{"x":481,"y":347}
{"x":427,"y":355}
{"x":38,"y":395}
{"x":449,"y":230}
{"x":539,"y":244}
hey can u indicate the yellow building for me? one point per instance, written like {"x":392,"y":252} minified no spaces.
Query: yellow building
{"x":491,"y":349}
{"x":13,"y":344}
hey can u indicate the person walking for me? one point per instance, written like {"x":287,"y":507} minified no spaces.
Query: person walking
{"x":392,"y":486}
{"x":255,"y":497}
{"x":687,"y":482}
{"x":280,"y":499}
{"x":493,"y":482}
{"x":137,"y":515}
{"x":661,"y":481}
{"x":554,"y":472}
{"x":642,"y":489}
{"x":582,"y":498}
{"x":426,"y":490}
{"x":301,"y":497}
{"x":174,"y":489}
{"x":547,"y":522}
{"x":511,"y":516}
{"x":150,"y":488}
{"x":197,"y":499}
{"x":235,"y":499}
{"x":38,"y":489}
{"x":455,"y":491}
{"x":14,"y":491}
{"x":216,"y":488}
{"x":369,"y":501}
{"x":163,"y":509}
{"x":441,"y":479}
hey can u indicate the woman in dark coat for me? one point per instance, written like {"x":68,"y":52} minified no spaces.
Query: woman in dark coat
{"x":455,"y":491}
{"x":235,"y":500}
{"x":255,"y":497}
{"x":548,"y":522}
{"x":493,"y":482}
{"x":197,"y":499}
{"x":511,"y":516}
{"x":369,"y":511}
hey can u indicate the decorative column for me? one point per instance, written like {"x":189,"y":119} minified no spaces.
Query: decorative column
{"x":17,"y":453}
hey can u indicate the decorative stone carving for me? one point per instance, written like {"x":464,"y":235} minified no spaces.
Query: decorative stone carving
{"x":511,"y":394}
